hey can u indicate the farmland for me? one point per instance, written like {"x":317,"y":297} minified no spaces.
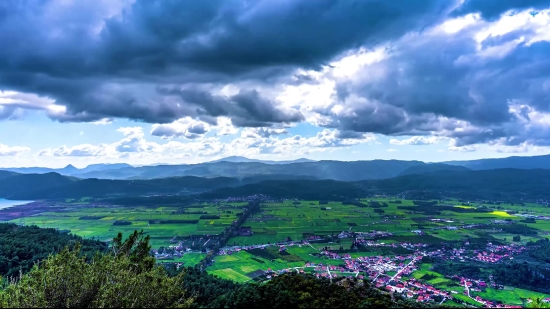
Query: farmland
{"x":160,"y":223}
{"x":314,"y":232}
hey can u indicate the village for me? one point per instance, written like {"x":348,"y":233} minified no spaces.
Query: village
{"x":394,"y":273}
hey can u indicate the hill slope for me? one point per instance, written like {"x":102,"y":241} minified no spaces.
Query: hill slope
{"x":434,"y":167}
{"x":510,"y":162}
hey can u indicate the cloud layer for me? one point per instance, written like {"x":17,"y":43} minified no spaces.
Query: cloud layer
{"x":472,"y":73}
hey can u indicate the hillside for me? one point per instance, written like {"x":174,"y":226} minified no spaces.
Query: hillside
{"x":484,"y":183}
{"x":22,"y":247}
{"x":54,"y":186}
{"x":301,"y":189}
{"x":434,"y":167}
{"x":18,"y":185}
{"x":531,"y":162}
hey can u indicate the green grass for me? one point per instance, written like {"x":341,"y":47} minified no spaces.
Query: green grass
{"x":190,"y":259}
{"x":230,"y":274}
{"x":512,"y":296}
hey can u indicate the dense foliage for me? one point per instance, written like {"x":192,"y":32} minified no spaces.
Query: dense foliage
{"x":23,"y":246}
{"x":125,"y":278}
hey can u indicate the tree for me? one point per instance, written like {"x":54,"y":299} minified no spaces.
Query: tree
{"x":127,"y":277}
{"x":516,"y":238}
{"x":538,"y":303}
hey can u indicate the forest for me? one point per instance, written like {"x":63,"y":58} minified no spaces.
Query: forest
{"x":22,"y":246}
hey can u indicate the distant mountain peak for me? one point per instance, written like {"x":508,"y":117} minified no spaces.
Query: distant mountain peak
{"x":70,"y":167}
{"x":239,"y":159}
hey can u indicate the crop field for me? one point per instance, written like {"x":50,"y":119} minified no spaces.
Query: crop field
{"x":161,"y":223}
{"x":290,"y":219}
{"x":297,"y":220}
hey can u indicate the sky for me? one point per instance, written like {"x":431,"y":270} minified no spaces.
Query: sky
{"x":184,"y":81}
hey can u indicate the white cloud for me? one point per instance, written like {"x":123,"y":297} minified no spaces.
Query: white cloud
{"x":416,"y":140}
{"x":102,"y":122}
{"x":12,"y":150}
{"x":184,"y":127}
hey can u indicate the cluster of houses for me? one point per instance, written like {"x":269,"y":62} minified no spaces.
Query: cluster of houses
{"x":492,"y":253}
{"x":417,"y":290}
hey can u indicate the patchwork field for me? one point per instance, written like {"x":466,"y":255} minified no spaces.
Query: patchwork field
{"x":161,"y":223}
{"x":290,"y":219}
{"x":297,"y":220}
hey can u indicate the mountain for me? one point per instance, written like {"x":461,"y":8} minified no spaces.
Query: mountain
{"x":517,"y":184}
{"x":238,"y":159}
{"x":496,"y":183}
{"x":103,"y":167}
{"x":509,"y":162}
{"x":12,"y":187}
{"x":67,"y":170}
{"x":241,"y":167}
{"x":4,"y":174}
{"x":433,"y":167}
{"x":53,"y":185}
{"x":337,"y":170}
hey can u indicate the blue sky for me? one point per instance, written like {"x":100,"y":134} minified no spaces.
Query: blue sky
{"x":186,"y":81}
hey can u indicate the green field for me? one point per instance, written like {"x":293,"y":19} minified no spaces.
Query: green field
{"x":280,"y":221}
{"x":509,"y":295}
{"x":73,"y":218}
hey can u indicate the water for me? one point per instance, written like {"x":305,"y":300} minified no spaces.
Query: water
{"x":8,"y":203}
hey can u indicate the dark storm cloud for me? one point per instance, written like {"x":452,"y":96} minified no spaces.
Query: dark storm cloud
{"x":90,"y":56}
{"x":492,"y":9}
{"x":246,"y":109}
{"x":443,"y":84}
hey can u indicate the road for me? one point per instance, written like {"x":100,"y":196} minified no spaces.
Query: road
{"x":404,"y":267}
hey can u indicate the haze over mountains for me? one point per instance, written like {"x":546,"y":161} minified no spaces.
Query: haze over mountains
{"x":304,"y":179}
{"x":240,"y":167}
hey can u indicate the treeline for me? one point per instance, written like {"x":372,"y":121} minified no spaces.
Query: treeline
{"x":229,"y":232}
{"x":22,"y":246}
{"x":524,"y":276}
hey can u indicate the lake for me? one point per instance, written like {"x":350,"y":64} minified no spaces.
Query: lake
{"x":8,"y":203}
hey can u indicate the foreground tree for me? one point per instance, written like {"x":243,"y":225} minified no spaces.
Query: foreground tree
{"x":126,"y":278}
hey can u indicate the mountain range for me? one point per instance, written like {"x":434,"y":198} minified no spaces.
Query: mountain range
{"x":510,"y":184}
{"x":241,"y":167}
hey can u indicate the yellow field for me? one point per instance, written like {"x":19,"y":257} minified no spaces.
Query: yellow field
{"x":501,"y":213}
